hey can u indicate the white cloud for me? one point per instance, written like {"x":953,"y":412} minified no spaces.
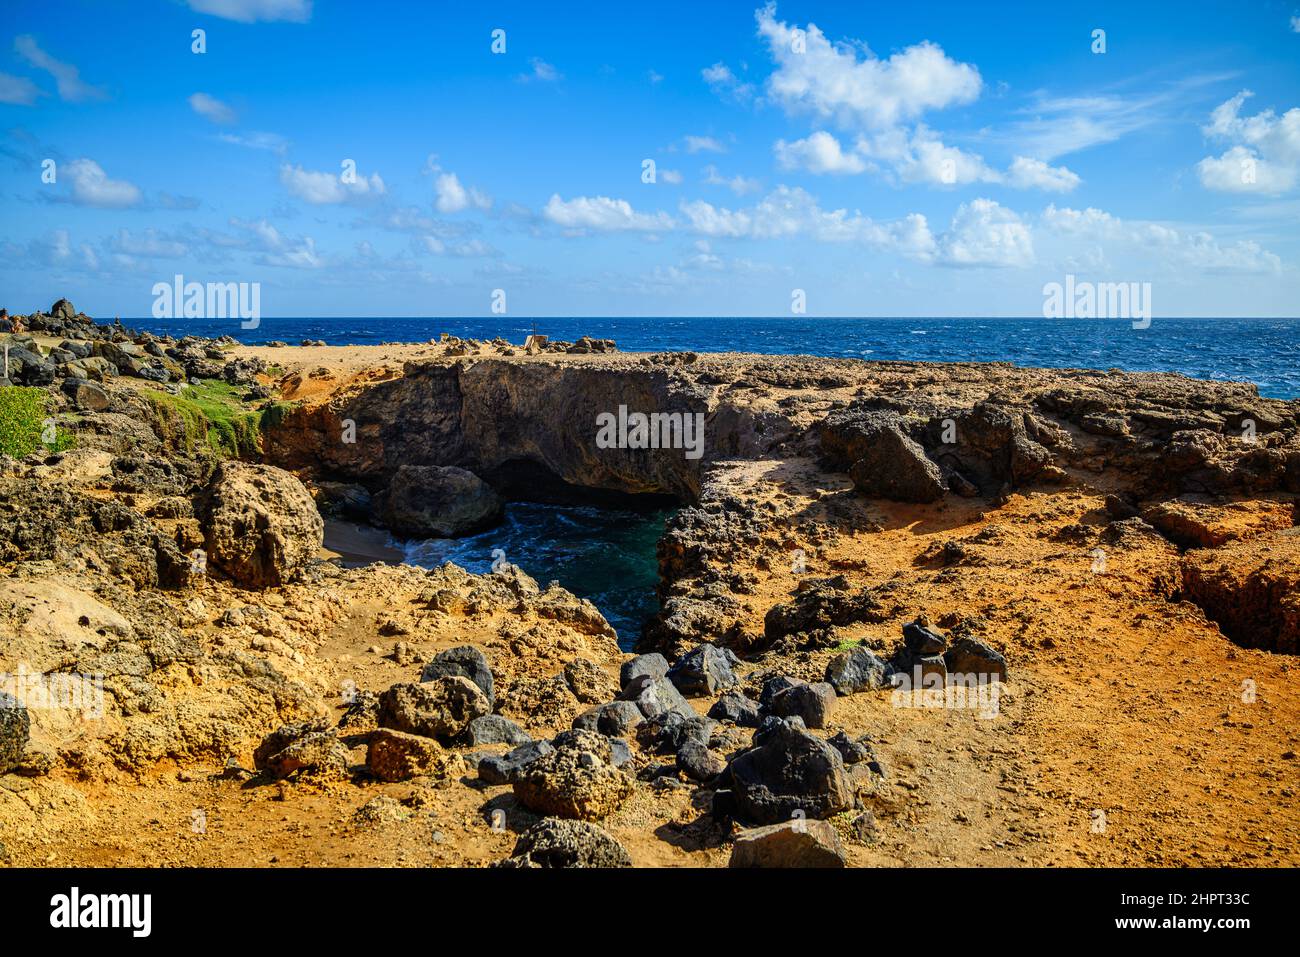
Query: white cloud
{"x":819,"y":153}
{"x":703,"y":144}
{"x":251,"y":11}
{"x":1295,"y":23}
{"x":454,"y":198}
{"x":1265,"y":155}
{"x":211,"y":108}
{"x":653,"y":77}
{"x":319,"y":188}
{"x":672,"y":176}
{"x":1133,"y":241}
{"x":986,"y":234}
{"x":92,"y":187}
{"x":67,"y":78}
{"x":275,"y":249}
{"x":1028,"y":173}
{"x":18,"y":90}
{"x":740,"y":185}
{"x":789,"y":212}
{"x":723,"y":82}
{"x":543,"y":72}
{"x":271,"y":142}
{"x":468,"y":249}
{"x":602,"y":214}
{"x":148,"y":244}
{"x":831,"y":82}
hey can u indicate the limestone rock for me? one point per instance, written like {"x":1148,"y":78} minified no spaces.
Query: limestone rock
{"x":260,"y":525}
{"x":430,"y":501}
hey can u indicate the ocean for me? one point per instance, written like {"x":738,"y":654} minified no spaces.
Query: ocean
{"x":1263,"y":351}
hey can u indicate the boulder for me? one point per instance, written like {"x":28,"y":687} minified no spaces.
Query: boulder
{"x":506,"y":768}
{"x":812,"y":703}
{"x":431,"y":501}
{"x":736,"y":708}
{"x":442,"y":708}
{"x":787,"y":770}
{"x":920,"y":639}
{"x":667,"y":733}
{"x":967,"y":656}
{"x":857,"y":670}
{"x":494,"y":729}
{"x":705,"y":670}
{"x":559,"y":843}
{"x":698,"y":762}
{"x":655,"y":696}
{"x":799,"y":843}
{"x":576,"y":780}
{"x":895,"y":467}
{"x":467,"y":662}
{"x":612,"y":719}
{"x":655,"y":665}
{"x":588,"y":681}
{"x":15,"y":727}
{"x":397,"y":756}
{"x":259,"y":524}
{"x":316,"y":751}
{"x":87,"y":396}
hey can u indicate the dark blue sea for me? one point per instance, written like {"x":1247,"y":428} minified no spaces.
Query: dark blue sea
{"x":1263,"y":351}
{"x":609,"y":556}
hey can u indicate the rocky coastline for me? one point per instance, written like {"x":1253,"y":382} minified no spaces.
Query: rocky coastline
{"x":910,"y":613}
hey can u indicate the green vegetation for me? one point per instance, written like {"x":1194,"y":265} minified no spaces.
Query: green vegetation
{"x":23,"y":423}
{"x":847,"y":645}
{"x":212,"y":413}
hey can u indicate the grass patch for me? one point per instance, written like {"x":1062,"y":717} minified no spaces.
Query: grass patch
{"x":848,"y":645}
{"x":211,"y":412}
{"x":23,"y":423}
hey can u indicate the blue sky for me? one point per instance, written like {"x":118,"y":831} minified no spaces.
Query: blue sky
{"x":887,"y":159}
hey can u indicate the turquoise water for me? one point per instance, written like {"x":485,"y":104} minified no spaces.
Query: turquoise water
{"x":606,"y":555}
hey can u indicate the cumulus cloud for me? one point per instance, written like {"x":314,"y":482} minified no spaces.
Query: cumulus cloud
{"x":740,"y":185}
{"x":18,"y":90}
{"x":882,"y":100}
{"x":147,"y":244}
{"x":1265,"y":153}
{"x":67,"y":78}
{"x":819,"y":153}
{"x":320,"y":188}
{"x":602,"y":214}
{"x":251,"y":11}
{"x":1194,"y":248}
{"x":1028,"y":173}
{"x":209,"y":107}
{"x":790,"y":212}
{"x":725,"y":83}
{"x":275,"y":249}
{"x":986,"y":234}
{"x":91,"y":186}
{"x":703,"y":144}
{"x":452,"y":197}
{"x":831,"y":82}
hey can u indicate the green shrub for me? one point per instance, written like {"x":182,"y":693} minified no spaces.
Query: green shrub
{"x":211,"y":414}
{"x":23,"y":411}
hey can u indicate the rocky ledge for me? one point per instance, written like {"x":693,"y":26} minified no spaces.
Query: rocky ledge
{"x":910,"y":613}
